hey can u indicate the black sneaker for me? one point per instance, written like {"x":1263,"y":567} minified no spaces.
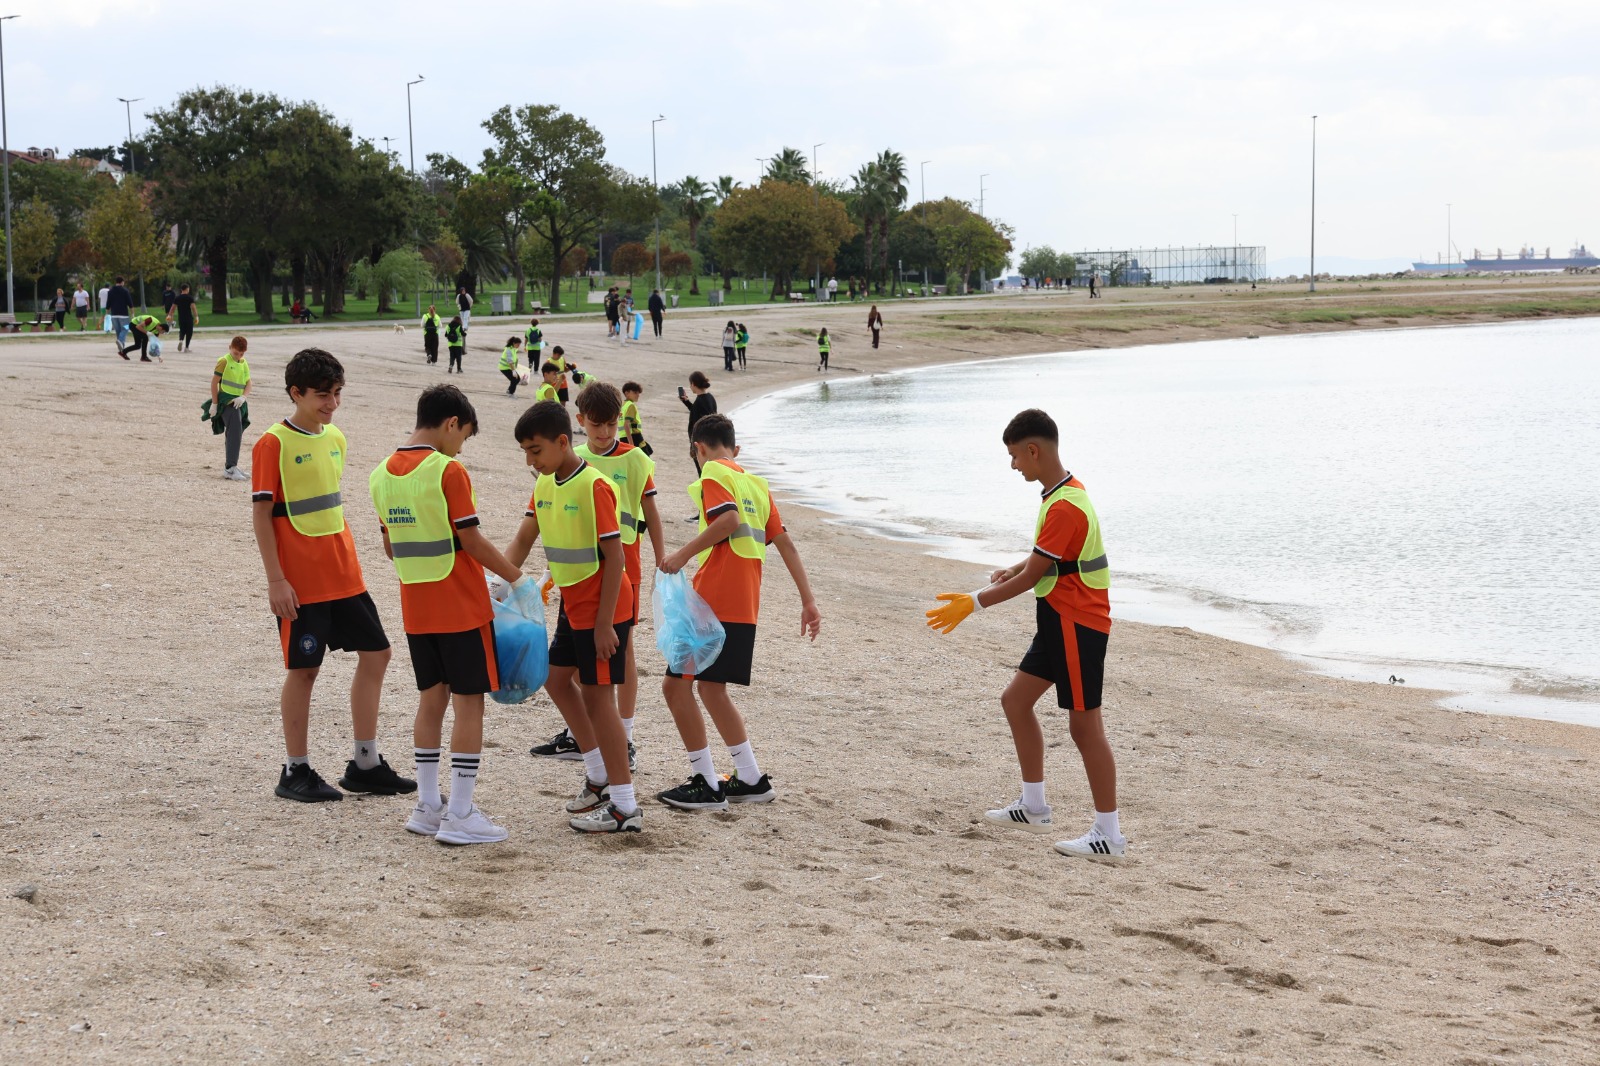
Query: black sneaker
{"x":560,"y":746}
{"x":739,"y":792}
{"x":304,"y":785}
{"x":633,"y":757}
{"x":694,"y":795}
{"x":378,"y":781}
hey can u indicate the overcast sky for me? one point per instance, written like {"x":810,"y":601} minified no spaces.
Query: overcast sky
{"x":1099,"y":126}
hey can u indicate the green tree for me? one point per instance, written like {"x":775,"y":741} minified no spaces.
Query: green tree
{"x":1039,"y":263}
{"x":445,"y":257}
{"x":125,"y":235}
{"x":725,"y":187}
{"x":790,"y":165}
{"x":696,"y":204}
{"x":780,"y":227}
{"x":33,"y":241}
{"x":891,"y":166}
{"x":966,"y":241}
{"x":508,"y":200}
{"x":631,"y":259}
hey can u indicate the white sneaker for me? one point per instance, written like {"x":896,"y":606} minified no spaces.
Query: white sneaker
{"x":590,"y":797}
{"x":1094,"y":843}
{"x":1016,"y":816}
{"x":233,"y":473}
{"x":474,"y":827}
{"x":607,"y":819}
{"x":424,"y":820}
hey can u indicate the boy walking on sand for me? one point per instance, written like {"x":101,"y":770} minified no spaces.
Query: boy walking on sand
{"x":314,"y":581}
{"x":429,"y":518}
{"x":455,"y":339}
{"x":632,"y":426}
{"x":738,"y":520}
{"x":1070,"y":580}
{"x":575,"y":511}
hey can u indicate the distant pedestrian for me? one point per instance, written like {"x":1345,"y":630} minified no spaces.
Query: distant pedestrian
{"x":612,"y":305}
{"x":80,"y":306}
{"x":833,"y":289}
{"x":464,"y":307}
{"x":455,"y":339}
{"x":730,"y":340}
{"x":1094,"y":287}
{"x":511,"y":364}
{"x":741,"y":341}
{"x":183,"y":306}
{"x":703,"y":404}
{"x":824,"y":347}
{"x":119,"y":305}
{"x":852,"y":290}
{"x":875,"y":324}
{"x":431,"y":324}
{"x":658,"y":308}
{"x":168,"y":298}
{"x":103,"y":295}
{"x":58,"y":308}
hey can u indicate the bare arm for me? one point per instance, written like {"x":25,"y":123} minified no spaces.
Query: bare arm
{"x":475,"y":544}
{"x":216,"y":379}
{"x":614,"y":568}
{"x":810,"y":617}
{"x":1016,"y":580}
{"x":652,"y":526}
{"x":521,"y":544}
{"x":280,"y":594}
{"x":720,"y":529}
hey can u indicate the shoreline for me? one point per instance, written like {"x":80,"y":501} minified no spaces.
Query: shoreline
{"x":1298,"y":842}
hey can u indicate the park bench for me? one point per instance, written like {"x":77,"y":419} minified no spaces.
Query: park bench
{"x":9,"y":324}
{"x":797,"y":297}
{"x":45,"y":319}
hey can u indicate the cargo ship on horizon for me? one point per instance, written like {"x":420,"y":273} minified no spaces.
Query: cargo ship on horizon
{"x":1526,"y":259}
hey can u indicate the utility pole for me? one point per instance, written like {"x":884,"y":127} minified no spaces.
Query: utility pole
{"x":1236,"y":247}
{"x":388,"y":153}
{"x":983,"y":271}
{"x":1313,"y":204}
{"x":411,"y":141}
{"x":923,"y":166}
{"x":132,"y":169}
{"x":654,"y":185}
{"x":1449,"y":239}
{"x":816,"y":196}
{"x":5,"y":153}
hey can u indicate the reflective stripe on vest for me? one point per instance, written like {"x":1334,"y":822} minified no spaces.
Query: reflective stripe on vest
{"x":311,"y":467}
{"x":1090,"y":566}
{"x":508,"y":359}
{"x":629,"y":472}
{"x":413,"y":510}
{"x":567,"y":524}
{"x":825,"y":344}
{"x":753,"y":498}
{"x":235,"y":376}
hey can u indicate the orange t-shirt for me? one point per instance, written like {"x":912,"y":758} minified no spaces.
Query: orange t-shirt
{"x":319,"y":568}
{"x":1065,"y":528}
{"x":460,"y":601}
{"x":582,"y":601}
{"x":729,"y":582}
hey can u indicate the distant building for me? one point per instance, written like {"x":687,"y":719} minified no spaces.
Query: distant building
{"x":40,"y":156}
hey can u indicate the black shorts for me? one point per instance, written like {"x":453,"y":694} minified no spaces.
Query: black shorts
{"x":81,"y":312}
{"x":1075,"y":661}
{"x":350,"y":624}
{"x":738,"y":655}
{"x":575,"y":648}
{"x":561,"y":394}
{"x":464,"y":661}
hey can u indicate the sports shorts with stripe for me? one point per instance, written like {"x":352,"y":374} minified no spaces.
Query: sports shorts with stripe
{"x":733,"y":663}
{"x":464,"y":661}
{"x":575,"y":648}
{"x":1068,"y":654}
{"x":348,"y":624}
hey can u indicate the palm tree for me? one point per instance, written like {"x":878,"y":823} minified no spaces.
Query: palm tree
{"x":892,"y":171}
{"x":790,"y":165}
{"x":695,"y":204}
{"x":725,"y":187}
{"x":870,"y":190}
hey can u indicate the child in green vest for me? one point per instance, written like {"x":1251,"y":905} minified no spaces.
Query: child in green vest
{"x":230,"y":384}
{"x":548,"y":390}
{"x":824,"y":346}
{"x":511,"y":365}
{"x":455,"y":338}
{"x":576,"y":513}
{"x":314,"y":582}
{"x":429,"y":517}
{"x":741,"y":341}
{"x":632,"y":425}
{"x":143,"y":328}
{"x":1070,"y":580}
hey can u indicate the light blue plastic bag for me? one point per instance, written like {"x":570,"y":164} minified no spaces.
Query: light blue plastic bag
{"x":155,"y":347}
{"x":687,"y":631}
{"x":520,"y":643}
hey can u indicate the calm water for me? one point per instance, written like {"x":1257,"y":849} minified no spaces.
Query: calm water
{"x":1416,"y":502}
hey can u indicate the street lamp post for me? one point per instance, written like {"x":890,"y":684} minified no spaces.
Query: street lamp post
{"x":983,"y":271}
{"x":816,"y":197}
{"x":411,"y":137}
{"x":923,"y":167}
{"x":1236,"y":246}
{"x":388,"y":153}
{"x":1449,"y":234}
{"x":655,"y":185}
{"x":133,"y":168}
{"x":1313,"y":204}
{"x":5,"y":155}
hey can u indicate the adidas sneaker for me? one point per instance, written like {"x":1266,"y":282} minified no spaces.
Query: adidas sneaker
{"x":1094,"y":843}
{"x":1017,"y":816}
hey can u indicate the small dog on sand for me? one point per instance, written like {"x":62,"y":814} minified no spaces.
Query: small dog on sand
{"x":398,"y":328}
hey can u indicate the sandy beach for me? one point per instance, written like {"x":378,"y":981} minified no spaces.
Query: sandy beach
{"x":1320,"y":870}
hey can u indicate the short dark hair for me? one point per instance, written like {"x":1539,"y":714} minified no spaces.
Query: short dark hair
{"x":549,"y":368}
{"x":440,"y":403}
{"x":715,"y":430}
{"x":699,"y":380}
{"x":1031,"y":423}
{"x":313,"y":368}
{"x":600,"y":402}
{"x":546,"y":420}
{"x":558,"y":350}
{"x":514,"y":342}
{"x":533,"y":321}
{"x":240,"y":343}
{"x":632,"y":386}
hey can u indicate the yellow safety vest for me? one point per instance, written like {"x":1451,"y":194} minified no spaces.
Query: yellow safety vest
{"x":1090,"y":565}
{"x":547,"y":391}
{"x":567,"y":524}
{"x":431,"y":320}
{"x":235,"y":376}
{"x":533,"y":340}
{"x":508,"y":358}
{"x":413,"y":509}
{"x":824,"y":343}
{"x":754,"y":499}
{"x":631,"y":422}
{"x":311,"y":466}
{"x":628,"y":473}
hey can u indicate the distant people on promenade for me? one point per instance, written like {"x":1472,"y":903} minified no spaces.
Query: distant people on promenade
{"x":612,"y":306}
{"x":875,"y":324}
{"x":183,"y":307}
{"x":730,"y":337}
{"x":431,"y":325}
{"x":119,"y":305}
{"x":80,"y":306}
{"x":464,"y":307}
{"x":658,"y":308}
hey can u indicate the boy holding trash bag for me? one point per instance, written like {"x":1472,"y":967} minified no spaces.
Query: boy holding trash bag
{"x":738,"y":520}
{"x":575,"y":512}
{"x":429,"y":517}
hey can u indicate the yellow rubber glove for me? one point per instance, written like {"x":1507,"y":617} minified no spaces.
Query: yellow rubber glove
{"x":957,"y":605}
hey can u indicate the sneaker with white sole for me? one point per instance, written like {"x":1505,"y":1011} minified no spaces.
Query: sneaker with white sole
{"x":474,"y":827}
{"x":607,"y":819}
{"x":1016,"y":815}
{"x":738,"y":791}
{"x":424,"y":820}
{"x":1094,"y":844}
{"x":695,"y":795}
{"x":560,"y":746}
{"x":587,"y":799}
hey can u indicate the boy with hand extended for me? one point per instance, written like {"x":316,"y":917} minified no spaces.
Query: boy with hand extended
{"x":429,"y":516}
{"x":632,"y":426}
{"x":1070,"y":580}
{"x":314,"y":581}
{"x":738,"y":520}
{"x":575,"y":511}
{"x":511,"y":364}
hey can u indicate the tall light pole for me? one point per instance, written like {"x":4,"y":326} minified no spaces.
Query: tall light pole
{"x":1449,"y":235}
{"x":816,"y":198}
{"x":923,"y":166}
{"x":388,"y":153}
{"x":655,"y":185}
{"x":5,"y":154}
{"x":983,"y":271}
{"x":411,"y":137}
{"x":133,"y":169}
{"x":1313,"y":204}
{"x":1236,"y":246}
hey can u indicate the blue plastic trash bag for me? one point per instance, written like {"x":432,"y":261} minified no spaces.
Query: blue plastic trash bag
{"x":520,"y":643}
{"x":638,"y":323}
{"x":687,"y":632}
{"x":155,"y":347}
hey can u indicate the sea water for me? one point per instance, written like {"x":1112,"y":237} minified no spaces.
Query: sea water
{"x":1418,"y":504}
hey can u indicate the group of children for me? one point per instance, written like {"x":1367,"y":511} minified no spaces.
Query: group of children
{"x":455,"y":338}
{"x":589,"y":507}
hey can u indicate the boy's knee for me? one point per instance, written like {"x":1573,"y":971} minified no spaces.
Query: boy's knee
{"x":303,"y":677}
{"x":378,"y":659}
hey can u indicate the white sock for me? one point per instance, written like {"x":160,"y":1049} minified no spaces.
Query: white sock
{"x":744,"y":763}
{"x":291,"y":761}
{"x":622,"y":798}
{"x":1033,"y":796}
{"x":627,"y":727}
{"x":365,"y":754}
{"x":428,"y":777}
{"x":700,"y":763}
{"x":1106,"y":822}
{"x":463,"y":779}
{"x":594,"y":767}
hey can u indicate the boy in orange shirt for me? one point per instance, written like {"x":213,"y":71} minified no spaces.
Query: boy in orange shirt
{"x":738,"y":520}
{"x":429,"y":516}
{"x":575,"y":511}
{"x":314,"y":581}
{"x":1071,"y":583}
